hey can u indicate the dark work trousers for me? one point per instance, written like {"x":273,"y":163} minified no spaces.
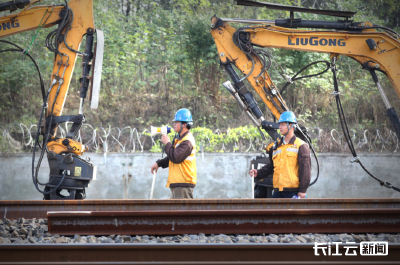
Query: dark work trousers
{"x":181,"y":193}
{"x":284,"y":194}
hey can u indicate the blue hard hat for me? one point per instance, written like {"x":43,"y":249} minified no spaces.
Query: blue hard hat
{"x":183,"y":115}
{"x":287,"y":116}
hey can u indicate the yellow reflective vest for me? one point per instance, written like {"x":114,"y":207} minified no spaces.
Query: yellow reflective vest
{"x":286,"y":165}
{"x":185,"y":172}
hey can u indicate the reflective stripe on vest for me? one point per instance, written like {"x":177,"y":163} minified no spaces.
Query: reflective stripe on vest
{"x":190,"y":158}
{"x":295,"y":150}
{"x":276,"y":152}
{"x":186,"y":171}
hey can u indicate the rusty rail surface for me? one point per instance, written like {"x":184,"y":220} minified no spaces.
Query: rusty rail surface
{"x":186,"y":254}
{"x":225,"y":222}
{"x":39,"y":209}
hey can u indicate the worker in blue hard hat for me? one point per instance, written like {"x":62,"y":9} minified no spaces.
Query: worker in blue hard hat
{"x":181,"y":157}
{"x":289,"y":161}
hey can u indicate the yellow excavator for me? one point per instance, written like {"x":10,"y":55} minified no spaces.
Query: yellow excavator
{"x":69,"y":172}
{"x":241,"y":53}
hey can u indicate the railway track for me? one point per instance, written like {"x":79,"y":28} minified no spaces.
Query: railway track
{"x":39,"y":209}
{"x":164,"y":217}
{"x":225,"y":221}
{"x":184,"y":254}
{"x":158,"y":217}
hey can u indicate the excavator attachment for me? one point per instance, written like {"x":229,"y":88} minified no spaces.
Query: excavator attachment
{"x":97,"y":68}
{"x":74,"y":20}
{"x":69,"y":171}
{"x":374,"y":47}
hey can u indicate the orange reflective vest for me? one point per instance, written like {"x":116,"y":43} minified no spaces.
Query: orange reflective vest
{"x":286,"y":165}
{"x":185,"y":172}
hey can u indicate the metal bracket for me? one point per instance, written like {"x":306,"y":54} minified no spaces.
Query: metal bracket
{"x":335,"y":93}
{"x":98,"y":65}
{"x":270,"y":125}
{"x":355,"y":159}
{"x":76,"y":119}
{"x":288,"y":79}
{"x":387,"y":185}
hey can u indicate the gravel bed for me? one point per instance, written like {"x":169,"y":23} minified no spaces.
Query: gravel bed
{"x":35,"y":231}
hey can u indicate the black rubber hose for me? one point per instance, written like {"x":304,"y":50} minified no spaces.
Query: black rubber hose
{"x":36,"y":173}
{"x":44,"y":99}
{"x":33,"y":60}
{"x":384,"y":28}
{"x":294,"y":78}
{"x":346,"y":133}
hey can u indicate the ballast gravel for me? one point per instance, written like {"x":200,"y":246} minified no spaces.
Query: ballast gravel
{"x":35,"y":231}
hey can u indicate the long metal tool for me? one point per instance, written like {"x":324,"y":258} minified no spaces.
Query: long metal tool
{"x":152,"y":185}
{"x":252,"y":182}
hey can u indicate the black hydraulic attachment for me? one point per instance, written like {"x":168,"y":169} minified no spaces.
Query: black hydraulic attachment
{"x":14,"y":5}
{"x":69,"y":172}
{"x":394,"y":119}
{"x":246,"y":99}
{"x":271,"y":128}
{"x":241,"y":88}
{"x":78,"y":173}
{"x":86,"y":63}
{"x":390,"y":111}
{"x":55,"y":120}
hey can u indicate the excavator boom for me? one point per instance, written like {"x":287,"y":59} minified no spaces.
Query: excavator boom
{"x":74,"y":21}
{"x":375,"y":51}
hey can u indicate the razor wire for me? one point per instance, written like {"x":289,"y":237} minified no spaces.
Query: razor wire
{"x":18,"y":138}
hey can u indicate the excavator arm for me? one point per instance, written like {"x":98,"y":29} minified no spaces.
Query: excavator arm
{"x":30,"y":19}
{"x":375,"y":51}
{"x":243,"y":49}
{"x":64,"y":62}
{"x":74,"y":20}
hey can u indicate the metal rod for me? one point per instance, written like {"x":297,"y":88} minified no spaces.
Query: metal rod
{"x":81,"y":106}
{"x":380,"y":89}
{"x":383,"y":95}
{"x":252,"y":182}
{"x":256,"y":123}
{"x":229,"y":86}
{"x":152,"y":185}
{"x":248,"y":21}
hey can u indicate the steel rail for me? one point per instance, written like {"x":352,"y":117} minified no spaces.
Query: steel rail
{"x":187,"y":254}
{"x":38,"y":209}
{"x":225,"y":221}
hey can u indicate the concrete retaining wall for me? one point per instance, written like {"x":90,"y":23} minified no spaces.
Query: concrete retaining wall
{"x":220,"y":175}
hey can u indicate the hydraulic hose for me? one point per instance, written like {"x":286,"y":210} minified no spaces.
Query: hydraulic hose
{"x":346,"y":132}
{"x":30,"y":57}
